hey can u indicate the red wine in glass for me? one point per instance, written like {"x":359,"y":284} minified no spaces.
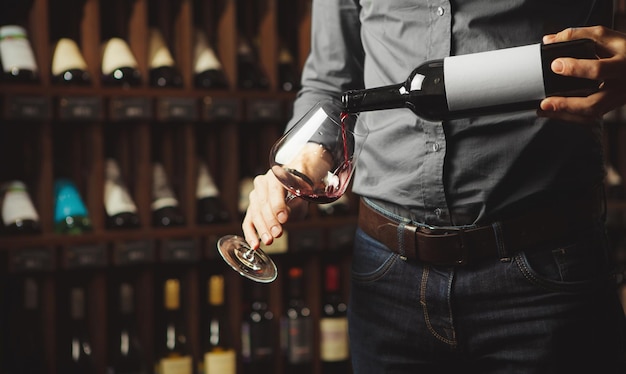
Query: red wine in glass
{"x":314,"y":160}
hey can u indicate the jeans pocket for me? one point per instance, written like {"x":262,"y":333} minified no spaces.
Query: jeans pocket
{"x":566,"y":266}
{"x":371,"y":260}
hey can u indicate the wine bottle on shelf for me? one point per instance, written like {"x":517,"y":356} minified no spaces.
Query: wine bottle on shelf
{"x":287,"y":72}
{"x":163,"y":71}
{"x":17,"y":59}
{"x":207,"y":68}
{"x":68,"y":64}
{"x":76,"y":353}
{"x":210,"y":208}
{"x":257,"y":333}
{"x":70,"y":213}
{"x":125,"y":353}
{"x":19,"y":215}
{"x":334,"y":346}
{"x":250,"y":73}
{"x":120,"y":209}
{"x":165,"y":207}
{"x":246,"y":185}
{"x":297,"y":327}
{"x":119,"y":66}
{"x":219,"y":355}
{"x":499,"y":81}
{"x":173,"y":351}
{"x":25,"y":350}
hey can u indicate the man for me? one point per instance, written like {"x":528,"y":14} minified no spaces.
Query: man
{"x":481,"y":243}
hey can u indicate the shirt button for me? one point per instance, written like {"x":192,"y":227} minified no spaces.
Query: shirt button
{"x":436,"y":147}
{"x":440,"y":11}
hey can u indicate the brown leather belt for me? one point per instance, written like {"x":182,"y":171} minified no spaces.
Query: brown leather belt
{"x":454,"y":246}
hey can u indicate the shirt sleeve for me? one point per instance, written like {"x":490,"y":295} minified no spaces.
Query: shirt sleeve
{"x":335,"y":61}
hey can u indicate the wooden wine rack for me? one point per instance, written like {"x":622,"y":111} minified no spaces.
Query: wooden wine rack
{"x":48,"y":130}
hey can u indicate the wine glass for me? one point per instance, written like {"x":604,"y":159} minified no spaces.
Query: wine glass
{"x":315,"y":161}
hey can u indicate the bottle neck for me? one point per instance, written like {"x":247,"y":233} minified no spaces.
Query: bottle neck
{"x":65,"y":21}
{"x":117,"y":14}
{"x":378,"y":98}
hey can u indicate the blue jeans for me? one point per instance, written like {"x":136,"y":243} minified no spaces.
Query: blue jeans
{"x":545,"y":310}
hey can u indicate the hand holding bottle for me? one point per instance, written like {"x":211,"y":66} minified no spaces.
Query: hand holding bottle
{"x":610,"y":68}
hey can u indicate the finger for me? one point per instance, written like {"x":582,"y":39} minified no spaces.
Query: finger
{"x":592,"y":32}
{"x":254,"y":226}
{"x":609,"y":42}
{"x":270,"y":197}
{"x":583,"y":106}
{"x":568,"y":117}
{"x":276,"y":195}
{"x":593,"y":106}
{"x":250,"y":233}
{"x":604,"y":69}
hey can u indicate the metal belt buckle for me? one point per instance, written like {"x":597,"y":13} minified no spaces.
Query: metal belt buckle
{"x":455,"y":238}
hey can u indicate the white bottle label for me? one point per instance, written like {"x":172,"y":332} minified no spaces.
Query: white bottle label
{"x":206,"y":186}
{"x":204,"y":56}
{"x":17,"y":205}
{"x":162,"y":194}
{"x":67,"y":56}
{"x":176,"y":365}
{"x":116,"y":54}
{"x":15,"y":49}
{"x":116,"y":197}
{"x":159,"y":53}
{"x":491,"y":78}
{"x":334,"y":339}
{"x":222,"y":362}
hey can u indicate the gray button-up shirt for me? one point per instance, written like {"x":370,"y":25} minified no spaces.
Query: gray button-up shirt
{"x":463,"y":171}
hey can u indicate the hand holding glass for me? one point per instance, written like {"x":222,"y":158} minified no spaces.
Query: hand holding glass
{"x":314,"y":160}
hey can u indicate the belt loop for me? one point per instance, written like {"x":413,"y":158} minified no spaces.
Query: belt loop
{"x":502,"y":251}
{"x":400,"y":233}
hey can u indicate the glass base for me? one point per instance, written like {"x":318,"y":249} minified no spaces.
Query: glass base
{"x":253,"y":264}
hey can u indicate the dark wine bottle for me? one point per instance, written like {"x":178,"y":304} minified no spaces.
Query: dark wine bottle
{"x":17,"y":56}
{"x":219,"y":356}
{"x":287,"y":70}
{"x":70,"y":213}
{"x":505,"y":80}
{"x":257,"y":333}
{"x":250,"y":73}
{"x":297,"y":325}
{"x":334,"y":347}
{"x":17,"y":59}
{"x":24,"y":350}
{"x":163,"y":71}
{"x":173,"y":351}
{"x":119,"y":66}
{"x":125,"y":352}
{"x":165,"y":207}
{"x":210,"y":207}
{"x":121,"y":211}
{"x":68,"y":64}
{"x":18,"y":212}
{"x":207,"y":68}
{"x":76,"y":352}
